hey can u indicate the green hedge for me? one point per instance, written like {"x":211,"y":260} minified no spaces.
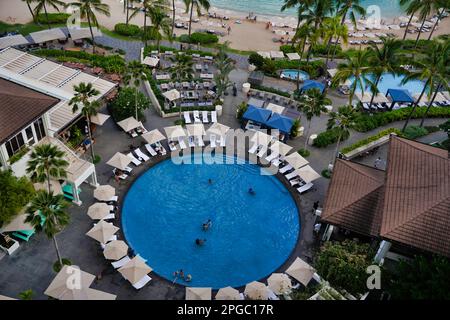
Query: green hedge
{"x":370,"y":139}
{"x":414,"y":132}
{"x":112,"y":63}
{"x":53,"y":18}
{"x":328,"y":137}
{"x":155,"y":89}
{"x":366,"y":122}
{"x":270,"y":67}
{"x":151,"y":48}
{"x":127,"y":30}
{"x":199,"y":38}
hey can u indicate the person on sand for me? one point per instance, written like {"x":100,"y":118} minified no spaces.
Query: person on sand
{"x":229,"y":30}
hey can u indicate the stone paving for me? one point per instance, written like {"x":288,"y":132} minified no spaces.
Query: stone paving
{"x":30,"y":266}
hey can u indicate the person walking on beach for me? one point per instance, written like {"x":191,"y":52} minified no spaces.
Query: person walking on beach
{"x":229,"y":30}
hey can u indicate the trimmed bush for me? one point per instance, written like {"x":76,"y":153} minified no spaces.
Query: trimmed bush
{"x":295,"y":127}
{"x":241,"y":109}
{"x":127,"y":30}
{"x":304,"y":152}
{"x":326,"y":173}
{"x":328,"y":137}
{"x":256,"y":60}
{"x":272,"y":90}
{"x":200,"y":37}
{"x":370,"y":139}
{"x":414,"y":132}
{"x":53,"y":18}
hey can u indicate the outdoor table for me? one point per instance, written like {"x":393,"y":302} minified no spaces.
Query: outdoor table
{"x":206,"y":76}
{"x":198,"y":67}
{"x":162,"y":77}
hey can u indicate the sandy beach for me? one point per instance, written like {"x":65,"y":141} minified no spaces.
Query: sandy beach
{"x":245,"y":35}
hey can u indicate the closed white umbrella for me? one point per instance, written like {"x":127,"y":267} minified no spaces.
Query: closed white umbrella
{"x":102,"y":231}
{"x":296,"y":160}
{"x":279,"y":283}
{"x":104,"y":192}
{"x":256,"y":291}
{"x":228,"y":293}
{"x":135,"y":270}
{"x":98,"y":210}
{"x":301,"y":271}
{"x":120,"y":161}
{"x":115,"y":250}
{"x":198,"y":293}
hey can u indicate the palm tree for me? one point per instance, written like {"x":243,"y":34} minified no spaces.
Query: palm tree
{"x":47,"y":162}
{"x":440,"y":6}
{"x":51,"y":217}
{"x":135,"y":72}
{"x":332,"y":27}
{"x":312,"y":103}
{"x":224,"y":66}
{"x":303,"y":34}
{"x":424,"y":10}
{"x":302,"y":7}
{"x":42,"y":4}
{"x":198,"y":5}
{"x":87,"y":8}
{"x":384,"y":59}
{"x":182,"y":67}
{"x":149,"y":5}
{"x":134,"y":12}
{"x":173,"y":17}
{"x":160,"y":22}
{"x":357,"y":67}
{"x":350,"y":7}
{"x":412,"y":7}
{"x":430,"y":68}
{"x":344,"y":120}
{"x":29,"y":2}
{"x":83,"y":96}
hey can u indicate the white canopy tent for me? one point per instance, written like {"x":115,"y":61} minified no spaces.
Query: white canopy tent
{"x":10,"y":41}
{"x":129,"y":124}
{"x":301,"y":271}
{"x":81,"y":33}
{"x":47,"y":35}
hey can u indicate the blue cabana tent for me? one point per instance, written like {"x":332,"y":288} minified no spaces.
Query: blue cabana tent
{"x":258,"y":115}
{"x":311,"y":84}
{"x":282,"y":123}
{"x":399,"y":95}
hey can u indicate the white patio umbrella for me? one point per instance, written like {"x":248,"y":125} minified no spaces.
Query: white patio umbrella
{"x":256,"y":291}
{"x":296,"y":160}
{"x":68,"y":286}
{"x":228,"y":293}
{"x":279,"y":283}
{"x":174,"y":132}
{"x":104,"y":192}
{"x":102,"y":231}
{"x":99,"y":118}
{"x":301,"y":271}
{"x":98,"y":210}
{"x":218,"y":129}
{"x":135,"y":269}
{"x":119,"y":161}
{"x":18,"y":223}
{"x":93,"y":294}
{"x":280,"y":147}
{"x":129,"y":124}
{"x":198,"y":293}
{"x":196,"y":129}
{"x":115,"y":250}
{"x":308,"y":174}
{"x":172,"y":95}
{"x":153,"y":136}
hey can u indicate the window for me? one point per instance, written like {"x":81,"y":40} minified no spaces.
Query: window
{"x":29,"y":135}
{"x":14,"y":144}
{"x":39,"y":128}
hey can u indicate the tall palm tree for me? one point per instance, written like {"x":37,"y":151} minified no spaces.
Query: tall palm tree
{"x":312,"y":103}
{"x":303,"y":33}
{"x":198,"y":5}
{"x":148,"y":6}
{"x":384,"y":59}
{"x":82,"y":98}
{"x":356,"y":67}
{"x":43,"y":4}
{"x":173,"y":17}
{"x":349,"y":7}
{"x":182,"y":67}
{"x":440,"y":6}
{"x":426,"y":7}
{"x":135,"y":72}
{"x":47,"y":162}
{"x":432,"y":69}
{"x":87,"y":11}
{"x":344,"y":120}
{"x":134,"y":11}
{"x":333,"y":28}
{"x":160,"y":25}
{"x":51,"y":209}
{"x":224,"y":66}
{"x":411,"y":7}
{"x":29,"y":2}
{"x":302,"y":6}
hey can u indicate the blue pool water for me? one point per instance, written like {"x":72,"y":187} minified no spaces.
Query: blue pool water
{"x":293,"y":74}
{"x":390,"y":81}
{"x":388,"y":8}
{"x":250,"y":237}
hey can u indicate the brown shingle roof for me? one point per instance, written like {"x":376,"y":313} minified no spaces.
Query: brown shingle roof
{"x":353,"y":197}
{"x":19,"y":106}
{"x":416,"y":208}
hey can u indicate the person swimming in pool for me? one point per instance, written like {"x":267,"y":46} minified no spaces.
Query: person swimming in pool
{"x":209,"y":181}
{"x":200,"y":242}
{"x":251,"y":191}
{"x":207,"y":225}
{"x":188,"y":278}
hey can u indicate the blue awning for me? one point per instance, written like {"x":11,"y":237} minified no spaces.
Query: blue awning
{"x":311,"y":84}
{"x":282,"y":123}
{"x":258,"y":115}
{"x":400,"y":95}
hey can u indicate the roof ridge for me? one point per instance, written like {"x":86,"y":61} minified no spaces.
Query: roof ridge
{"x":26,"y":97}
{"x":357,"y":168}
{"x":414,"y":144}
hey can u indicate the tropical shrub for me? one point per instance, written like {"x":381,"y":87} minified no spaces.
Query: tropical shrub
{"x":53,"y":18}
{"x":370,"y":139}
{"x":295,"y":127}
{"x":304,"y":152}
{"x":256,"y":60}
{"x":200,"y":38}
{"x":344,"y":264}
{"x":330,"y":136}
{"x":124,"y":104}
{"x":127,"y":30}
{"x":15,"y":193}
{"x":241,"y":109}
{"x":414,"y":132}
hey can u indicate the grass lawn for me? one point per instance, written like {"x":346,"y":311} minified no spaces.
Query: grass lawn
{"x":25,"y":29}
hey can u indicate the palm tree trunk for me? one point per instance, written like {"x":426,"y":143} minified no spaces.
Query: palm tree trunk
{"x":31,"y":11}
{"x":173,"y":17}
{"x":373,"y":93}
{"x":435,"y":25}
{"x":296,"y":29}
{"x":328,"y":52}
{"x":337,"y":148}
{"x":145,"y":27}
{"x":92,"y":33}
{"x":420,"y":32}
{"x":190,"y":22}
{"x":128,"y":14}
{"x":430,"y":103}
{"x":58,"y":254}
{"x":90,"y":138}
{"x":307,"y":134}
{"x":46,"y":15}
{"x":415,"y":106}
{"x":48,"y":178}
{"x":124,"y":5}
{"x":303,"y":48}
{"x":135,"y":101}
{"x":407,"y":26}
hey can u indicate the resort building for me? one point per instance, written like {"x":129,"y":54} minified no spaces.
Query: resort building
{"x":34,"y":107}
{"x":407,"y":206}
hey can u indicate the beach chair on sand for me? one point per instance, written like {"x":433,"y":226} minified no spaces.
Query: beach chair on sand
{"x":197,"y":116}
{"x":150,"y":150}
{"x":141,"y":155}
{"x":135,"y":161}
{"x":187,"y":117}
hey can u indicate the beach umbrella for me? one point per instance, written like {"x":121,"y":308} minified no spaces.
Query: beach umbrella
{"x":93,"y":294}
{"x":99,"y":118}
{"x":153,"y":136}
{"x":296,"y":160}
{"x":172,"y":95}
{"x":102,"y":231}
{"x":55,"y":186}
{"x":104,"y":192}
{"x":98,"y":210}
{"x":228,"y":293}
{"x":198,"y":293}
{"x":308,"y":174}
{"x":280,"y":147}
{"x":218,"y":129}
{"x":196,"y":129}
{"x":129,"y":124}
{"x":301,"y":271}
{"x":279,"y":283}
{"x":4,"y":298}
{"x":256,"y":291}
{"x":115,"y":250}
{"x":174,"y":132}
{"x":70,"y":283}
{"x":119,"y":161}
{"x":135,"y":269}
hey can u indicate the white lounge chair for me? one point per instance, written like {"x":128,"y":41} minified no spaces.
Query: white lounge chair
{"x":120,"y":263}
{"x":123,"y":176}
{"x":172,"y":146}
{"x":253,"y":148}
{"x":291,"y":175}
{"x":162,"y":150}
{"x":241,"y":296}
{"x":135,"y":161}
{"x":197,"y":116}
{"x":182,"y":143}
{"x":286,"y":168}
{"x":138,"y":285}
{"x":128,"y":169}
{"x":191,"y":142}
{"x":296,"y":181}
{"x":205,"y":116}
{"x":305,"y":187}
{"x":213,"y":116}
{"x":142,"y":155}
{"x":199,"y":141}
{"x":113,"y":238}
{"x":109,"y":216}
{"x":262,"y":151}
{"x":276,"y":162}
{"x":114,"y":198}
{"x":223,"y":141}
{"x":150,"y":150}
{"x":187,"y":117}
{"x":212,"y":139}
{"x":272,"y":156}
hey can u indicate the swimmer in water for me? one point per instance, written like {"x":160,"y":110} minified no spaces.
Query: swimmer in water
{"x":251,"y":191}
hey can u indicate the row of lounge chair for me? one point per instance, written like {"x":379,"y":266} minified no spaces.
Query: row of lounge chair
{"x":196,"y":141}
{"x":383,"y":106}
{"x":196,"y":117}
{"x":275,"y":98}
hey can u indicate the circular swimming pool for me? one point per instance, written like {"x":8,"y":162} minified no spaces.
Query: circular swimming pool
{"x":292,"y":74}
{"x":250,"y":235}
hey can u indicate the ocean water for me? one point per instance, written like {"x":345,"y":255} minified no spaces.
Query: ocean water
{"x":387,"y":9}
